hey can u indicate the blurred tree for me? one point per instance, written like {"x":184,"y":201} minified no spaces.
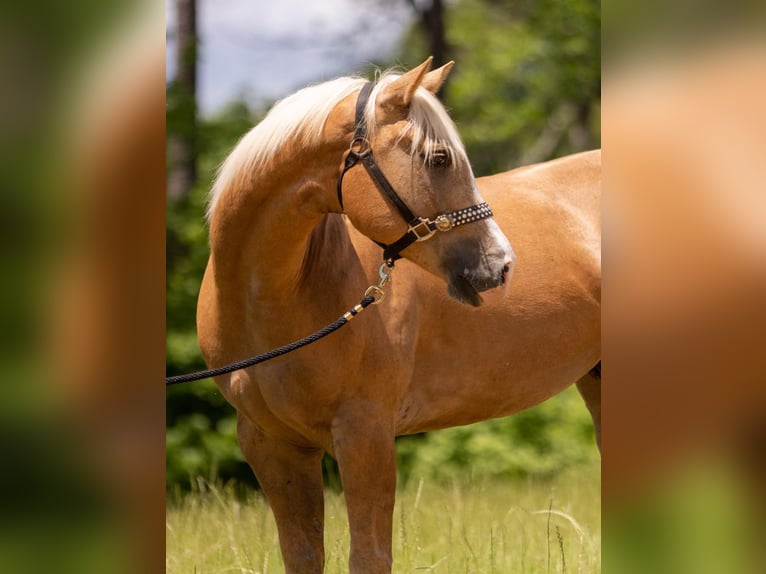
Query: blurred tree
{"x":526,"y":87}
{"x":431,"y":20}
{"x":182,"y":104}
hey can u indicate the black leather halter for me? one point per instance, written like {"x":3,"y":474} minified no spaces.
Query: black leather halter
{"x":419,"y":228}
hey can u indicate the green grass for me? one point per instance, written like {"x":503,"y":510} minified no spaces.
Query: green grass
{"x":482,"y":527}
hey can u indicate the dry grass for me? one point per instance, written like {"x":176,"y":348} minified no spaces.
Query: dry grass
{"x":514,"y":527}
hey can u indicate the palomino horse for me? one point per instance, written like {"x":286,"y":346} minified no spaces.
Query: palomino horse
{"x":289,"y":253}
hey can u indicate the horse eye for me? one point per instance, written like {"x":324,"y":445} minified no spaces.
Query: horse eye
{"x":440,"y":158}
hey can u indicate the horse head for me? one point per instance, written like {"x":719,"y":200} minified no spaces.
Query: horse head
{"x":418,"y":184}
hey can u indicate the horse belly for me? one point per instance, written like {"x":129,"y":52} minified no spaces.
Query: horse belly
{"x":464,"y":397}
{"x":498,"y":364}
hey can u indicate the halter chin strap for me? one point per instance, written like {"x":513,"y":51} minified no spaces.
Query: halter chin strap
{"x":419,"y":228}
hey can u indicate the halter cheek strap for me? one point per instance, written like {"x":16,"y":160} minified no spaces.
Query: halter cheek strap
{"x":360,"y":147}
{"x":418,"y":228}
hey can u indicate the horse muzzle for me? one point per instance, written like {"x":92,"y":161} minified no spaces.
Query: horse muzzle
{"x":487,"y":281}
{"x":480,"y":267}
{"x":468,"y":287}
{"x":481,"y":271}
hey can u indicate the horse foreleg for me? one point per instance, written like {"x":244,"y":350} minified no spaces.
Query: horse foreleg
{"x":364,"y":448}
{"x":291,"y":478}
{"x":590,"y":390}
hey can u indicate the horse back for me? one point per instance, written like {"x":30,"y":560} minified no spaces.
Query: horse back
{"x":573,"y":181}
{"x":551,"y":212}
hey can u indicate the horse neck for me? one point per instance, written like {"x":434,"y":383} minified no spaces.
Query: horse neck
{"x":264,"y":235}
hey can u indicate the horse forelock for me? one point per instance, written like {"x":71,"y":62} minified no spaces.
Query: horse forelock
{"x":301,"y":118}
{"x":429,"y":125}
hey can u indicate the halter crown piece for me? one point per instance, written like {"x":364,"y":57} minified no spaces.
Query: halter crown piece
{"x":419,"y":228}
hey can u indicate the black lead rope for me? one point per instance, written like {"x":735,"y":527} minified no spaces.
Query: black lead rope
{"x":332,"y":327}
{"x":373,"y":295}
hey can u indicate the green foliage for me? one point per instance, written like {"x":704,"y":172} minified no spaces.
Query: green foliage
{"x":542,"y":441}
{"x":198,"y":446}
{"x":526,"y":86}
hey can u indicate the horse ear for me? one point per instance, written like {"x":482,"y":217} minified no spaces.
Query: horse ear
{"x":434,"y":79}
{"x":399,"y":93}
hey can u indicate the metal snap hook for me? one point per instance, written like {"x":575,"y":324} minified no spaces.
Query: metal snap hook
{"x":384,"y":272}
{"x":376,"y":291}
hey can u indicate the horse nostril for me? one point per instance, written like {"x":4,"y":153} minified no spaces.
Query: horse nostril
{"x":505,"y":272}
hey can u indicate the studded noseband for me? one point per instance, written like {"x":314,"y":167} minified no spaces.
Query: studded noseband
{"x":419,"y":228}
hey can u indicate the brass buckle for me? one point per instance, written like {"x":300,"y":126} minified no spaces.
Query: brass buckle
{"x":422,"y":230}
{"x":377,"y":291}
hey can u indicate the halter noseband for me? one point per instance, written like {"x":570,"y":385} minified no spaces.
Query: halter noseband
{"x":419,"y":228}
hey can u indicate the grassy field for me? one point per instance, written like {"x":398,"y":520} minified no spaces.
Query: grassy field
{"x":508,"y":527}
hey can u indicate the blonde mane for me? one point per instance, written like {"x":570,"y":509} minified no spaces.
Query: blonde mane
{"x":302,"y":116}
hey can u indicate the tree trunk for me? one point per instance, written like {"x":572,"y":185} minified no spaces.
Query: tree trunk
{"x":182,"y":152}
{"x":432,"y":22}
